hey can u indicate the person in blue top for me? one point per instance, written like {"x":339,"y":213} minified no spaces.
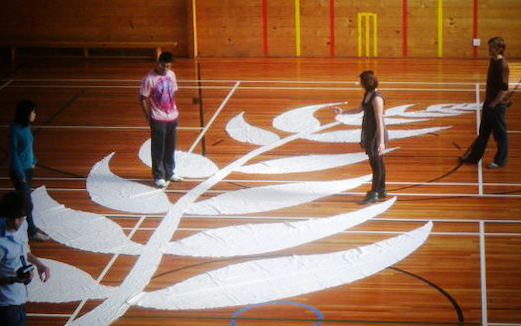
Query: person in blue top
{"x":16,"y":261}
{"x":22,"y":160}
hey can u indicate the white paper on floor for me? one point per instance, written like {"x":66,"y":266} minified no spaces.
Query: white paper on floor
{"x":109,"y":190}
{"x":251,"y":239}
{"x":67,"y":283}
{"x":81,"y":230}
{"x":307,"y":163}
{"x":278,"y":278}
{"x":268,"y":198}
{"x":238,"y":129}
{"x":187,"y":165}
{"x":353,"y":135}
{"x":301,"y":119}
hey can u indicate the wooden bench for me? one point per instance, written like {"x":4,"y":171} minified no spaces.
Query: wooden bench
{"x":86,"y":45}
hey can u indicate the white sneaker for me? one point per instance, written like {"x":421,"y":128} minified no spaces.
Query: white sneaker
{"x":160,"y":183}
{"x":175,"y":178}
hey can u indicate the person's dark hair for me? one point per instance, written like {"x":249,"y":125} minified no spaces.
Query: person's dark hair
{"x":368,"y":80}
{"x":166,"y":57}
{"x":23,"y":111}
{"x":12,"y":205}
{"x":498,"y":43}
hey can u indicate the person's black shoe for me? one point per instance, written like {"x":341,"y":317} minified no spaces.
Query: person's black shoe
{"x":467,"y":159}
{"x":370,"y":197}
{"x":382,"y":193}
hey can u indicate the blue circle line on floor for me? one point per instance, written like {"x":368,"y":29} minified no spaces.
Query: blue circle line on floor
{"x":278,"y":303}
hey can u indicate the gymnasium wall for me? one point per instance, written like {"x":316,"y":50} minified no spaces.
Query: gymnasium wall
{"x":131,"y":21}
{"x":323,"y":28}
{"x":275,"y":28}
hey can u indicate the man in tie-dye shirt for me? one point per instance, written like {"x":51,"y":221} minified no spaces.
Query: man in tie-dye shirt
{"x":157,"y":99}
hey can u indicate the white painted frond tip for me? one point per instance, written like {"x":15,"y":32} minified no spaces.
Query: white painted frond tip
{"x":238,"y":129}
{"x":109,"y":190}
{"x":268,"y":198}
{"x":187,"y":165}
{"x":301,"y":120}
{"x":299,"y":164}
{"x":353,"y":136}
{"x":252,"y":239}
{"x":279,"y":278}
{"x":81,"y":230}
{"x":67,"y":283}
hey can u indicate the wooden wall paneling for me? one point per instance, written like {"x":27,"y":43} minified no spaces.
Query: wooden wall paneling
{"x":458,"y":28}
{"x":500,"y":18}
{"x":423,"y":28}
{"x":345,"y":28}
{"x":102,"y":21}
{"x":389,"y":25}
{"x":230,"y":28}
{"x":315,"y":28}
{"x":281,"y":28}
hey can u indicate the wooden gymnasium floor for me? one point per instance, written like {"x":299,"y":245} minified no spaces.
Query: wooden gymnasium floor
{"x":467,"y":273}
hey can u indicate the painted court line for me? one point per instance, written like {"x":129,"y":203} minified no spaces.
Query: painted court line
{"x":6,"y":84}
{"x":105,"y":270}
{"x":209,"y":124}
{"x":478,"y":120}
{"x":484,"y":318}
{"x":253,"y":81}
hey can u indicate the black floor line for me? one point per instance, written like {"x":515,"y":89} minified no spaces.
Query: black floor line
{"x":12,"y":71}
{"x":430,"y":181}
{"x":59,"y":171}
{"x":60,"y":111}
{"x":454,"y":303}
{"x":457,"y":308}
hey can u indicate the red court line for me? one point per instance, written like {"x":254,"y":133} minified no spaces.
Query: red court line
{"x":404,"y":50}
{"x":265,"y":26}
{"x":332,"y":27}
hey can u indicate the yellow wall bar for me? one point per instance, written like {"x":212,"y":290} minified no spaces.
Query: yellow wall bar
{"x":297,"y":26}
{"x":367,"y":39}
{"x":440,"y":28}
{"x":194,"y":19}
{"x":375,"y":35}
{"x":359,"y":35}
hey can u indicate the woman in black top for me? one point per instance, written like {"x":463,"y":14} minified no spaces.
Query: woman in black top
{"x":374,"y":133}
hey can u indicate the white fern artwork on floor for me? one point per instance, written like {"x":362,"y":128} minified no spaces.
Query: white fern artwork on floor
{"x":256,"y":280}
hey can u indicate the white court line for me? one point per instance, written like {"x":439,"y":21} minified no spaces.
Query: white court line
{"x":105,"y":271}
{"x":256,"y":88}
{"x":209,"y":124}
{"x":48,"y":315}
{"x":112,"y":87}
{"x":366,"y":232}
{"x":478,"y":120}
{"x":254,"y":81}
{"x":100,"y":127}
{"x":484,"y":318}
{"x":433,"y":194}
{"x":6,"y":84}
{"x":492,"y":184}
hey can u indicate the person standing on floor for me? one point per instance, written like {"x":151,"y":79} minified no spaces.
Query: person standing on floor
{"x":157,"y":98}
{"x":22,"y":160}
{"x":15,"y":256}
{"x":374,"y":133}
{"x":494,"y":107}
